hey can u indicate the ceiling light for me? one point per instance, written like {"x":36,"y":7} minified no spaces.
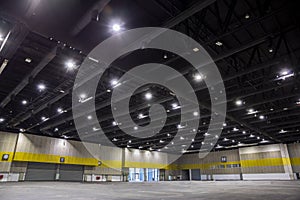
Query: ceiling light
{"x":244,"y":132}
{"x":271,"y":109}
{"x":43,"y":118}
{"x":148,"y":96}
{"x":89,"y":117}
{"x":247,"y":16}
{"x":258,"y":138}
{"x":28,"y":60}
{"x":282,"y":131}
{"x":180,"y":126}
{"x":161,"y":141}
{"x":235,"y":129}
{"x":195,"y":113}
{"x":56,"y":129}
{"x":114,"y":82}
{"x":41,"y":86}
{"x":261,"y":117}
{"x":22,"y":130}
{"x":82,"y":96}
{"x":165,"y":56}
{"x":252,"y":136}
{"x":182,"y":138}
{"x":2,"y":119}
{"x":195,"y":49}
{"x":108,"y":90}
{"x":233,"y":140}
{"x":238,"y":102}
{"x":270,"y":50}
{"x":59,"y":110}
{"x":24,"y":102}
{"x":114,"y":123}
{"x":219,"y":43}
{"x":135,"y":128}
{"x":284,"y":74}
{"x":116,"y":27}
{"x":70,"y":65}
{"x":225,"y":139}
{"x":114,"y":139}
{"x":224,"y":124}
{"x":198,"y":77}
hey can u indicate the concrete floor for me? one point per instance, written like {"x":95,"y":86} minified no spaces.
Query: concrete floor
{"x":237,"y":190}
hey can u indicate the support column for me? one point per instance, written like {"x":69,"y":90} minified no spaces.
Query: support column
{"x":286,"y":161}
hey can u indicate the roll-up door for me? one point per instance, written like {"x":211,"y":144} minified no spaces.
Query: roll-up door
{"x":71,"y":173}
{"x":40,"y":172}
{"x":185,"y":175}
{"x":196,"y":175}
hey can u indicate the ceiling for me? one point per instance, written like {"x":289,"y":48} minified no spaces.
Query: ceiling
{"x":255,"y":45}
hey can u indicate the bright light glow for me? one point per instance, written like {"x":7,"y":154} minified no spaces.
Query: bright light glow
{"x":24,"y":102}
{"x":2,"y":119}
{"x":148,"y":96}
{"x":238,"y":102}
{"x":258,"y":138}
{"x":59,"y":110}
{"x":28,"y":60}
{"x":252,"y":136}
{"x":219,"y":43}
{"x":56,"y":129}
{"x":261,"y":117}
{"x":282,"y":131}
{"x":225,"y":139}
{"x":108,"y":90}
{"x":82,"y":96}
{"x":195,"y":113}
{"x":43,"y":118}
{"x":114,"y":82}
{"x":161,"y":141}
{"x":180,"y":126}
{"x":116,"y":27}
{"x":141,"y":116}
{"x":89,"y":117}
{"x":247,"y":16}
{"x":244,"y":132}
{"x":135,"y":128}
{"x":270,"y":50}
{"x":22,"y":130}
{"x":198,"y":77}
{"x":114,"y":123}
{"x":251,"y":111}
{"x":235,"y":129}
{"x":224,"y":124}
{"x":195,"y":49}
{"x":41,"y":86}
{"x":233,"y":140}
{"x":165,"y":56}
{"x":175,"y":106}
{"x":284,"y":74}
{"x":70,"y":65}
{"x":182,"y":138}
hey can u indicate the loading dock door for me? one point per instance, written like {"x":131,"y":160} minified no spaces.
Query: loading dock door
{"x":196,"y":175}
{"x":185,"y":175}
{"x":71,"y":173}
{"x":40,"y":172}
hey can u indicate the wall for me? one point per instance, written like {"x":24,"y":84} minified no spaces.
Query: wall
{"x":294,"y":151}
{"x":32,"y":148}
{"x":145,"y":159}
{"x":7,"y":146}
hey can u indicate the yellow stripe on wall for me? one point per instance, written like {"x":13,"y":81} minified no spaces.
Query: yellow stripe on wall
{"x":267,"y":162}
{"x":204,"y":166}
{"x":295,"y":161}
{"x":49,"y":158}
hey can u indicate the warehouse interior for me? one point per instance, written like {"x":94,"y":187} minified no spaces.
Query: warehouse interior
{"x":46,"y":149}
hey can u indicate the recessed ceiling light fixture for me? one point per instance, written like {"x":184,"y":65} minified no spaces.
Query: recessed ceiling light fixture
{"x":198,"y":77}
{"x":116,"y":27}
{"x":24,"y":102}
{"x":195,"y":49}
{"x":70,"y":65}
{"x":219,"y":43}
{"x":148,"y":96}
{"x":238,"y":102}
{"x":28,"y":60}
{"x":41,"y":87}
{"x":2,"y":119}
{"x":261,"y":117}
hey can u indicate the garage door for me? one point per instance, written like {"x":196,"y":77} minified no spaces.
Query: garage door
{"x":40,"y":172}
{"x":185,"y":175}
{"x":196,"y":174}
{"x":71,"y":173}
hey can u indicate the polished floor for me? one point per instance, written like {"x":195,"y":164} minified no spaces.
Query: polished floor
{"x":237,"y":190}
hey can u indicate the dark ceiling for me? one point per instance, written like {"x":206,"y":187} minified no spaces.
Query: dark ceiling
{"x":255,"y":44}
